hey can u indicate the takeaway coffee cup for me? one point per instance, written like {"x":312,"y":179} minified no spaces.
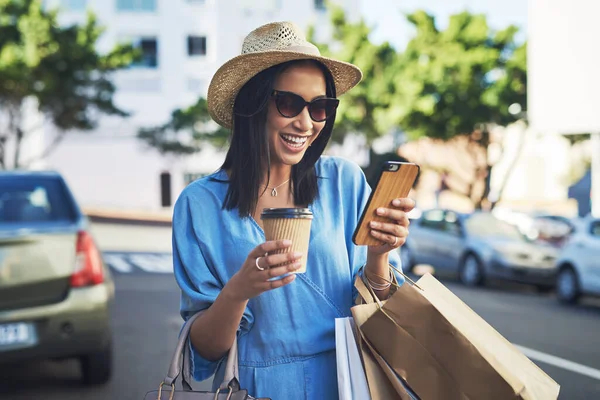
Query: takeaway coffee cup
{"x":292,"y":224}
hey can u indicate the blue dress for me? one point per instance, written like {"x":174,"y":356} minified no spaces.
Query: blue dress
{"x":286,"y":338}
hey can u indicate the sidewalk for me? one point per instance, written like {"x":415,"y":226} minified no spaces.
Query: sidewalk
{"x":130,"y":230}
{"x":129,"y":217}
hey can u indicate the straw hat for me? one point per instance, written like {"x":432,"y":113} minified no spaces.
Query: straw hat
{"x":266,"y":46}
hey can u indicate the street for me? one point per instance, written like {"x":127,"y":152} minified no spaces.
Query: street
{"x":146,"y":324}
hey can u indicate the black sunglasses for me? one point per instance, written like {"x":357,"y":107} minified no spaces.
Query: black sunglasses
{"x":290,"y":104}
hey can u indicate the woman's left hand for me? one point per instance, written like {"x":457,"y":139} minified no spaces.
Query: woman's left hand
{"x":393,"y":234}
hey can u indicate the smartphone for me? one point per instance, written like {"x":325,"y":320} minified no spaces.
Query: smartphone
{"x":395,"y":181}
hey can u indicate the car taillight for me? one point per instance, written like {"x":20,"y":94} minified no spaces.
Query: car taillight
{"x":88,"y":263}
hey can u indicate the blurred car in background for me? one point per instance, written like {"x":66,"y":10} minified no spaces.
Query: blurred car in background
{"x":55,"y":291}
{"x":579,"y":262}
{"x":551,"y":229}
{"x":478,"y":246}
{"x":538,"y":226}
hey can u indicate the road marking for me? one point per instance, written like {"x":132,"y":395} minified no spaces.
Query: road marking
{"x":125,"y":263}
{"x":560,"y":362}
{"x":117,"y":263}
{"x":162,"y":264}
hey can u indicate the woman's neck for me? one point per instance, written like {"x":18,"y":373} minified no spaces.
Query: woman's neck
{"x":278,"y":177}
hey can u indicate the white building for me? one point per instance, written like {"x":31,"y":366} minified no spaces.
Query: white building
{"x":563,"y":58}
{"x":183,"y":42}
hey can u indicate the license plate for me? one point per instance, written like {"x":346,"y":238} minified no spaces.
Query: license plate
{"x":17,"y":335}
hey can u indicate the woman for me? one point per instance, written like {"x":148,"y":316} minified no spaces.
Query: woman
{"x":279,"y":98}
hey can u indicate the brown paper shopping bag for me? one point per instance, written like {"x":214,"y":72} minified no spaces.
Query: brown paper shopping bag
{"x":497,"y":350}
{"x":444,"y":350}
{"x":382,"y":380}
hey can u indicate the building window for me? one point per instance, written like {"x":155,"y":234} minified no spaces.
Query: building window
{"x":319,"y":4}
{"x":149,"y":48}
{"x":165,"y":189}
{"x":136,"y":5}
{"x":190,"y":177}
{"x":74,"y":5}
{"x":196,"y":45}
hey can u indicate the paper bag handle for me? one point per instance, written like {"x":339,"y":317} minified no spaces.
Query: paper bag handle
{"x":366,"y":292}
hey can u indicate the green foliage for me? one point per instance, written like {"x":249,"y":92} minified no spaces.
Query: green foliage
{"x":58,"y":66}
{"x":368,"y":109}
{"x":186,"y":132}
{"x":455,"y":79}
{"x":445,"y":83}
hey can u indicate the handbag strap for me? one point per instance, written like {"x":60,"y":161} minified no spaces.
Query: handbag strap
{"x":182,"y":351}
{"x":231,"y":367}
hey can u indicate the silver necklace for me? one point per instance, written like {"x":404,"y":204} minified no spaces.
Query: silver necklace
{"x":274,"y":189}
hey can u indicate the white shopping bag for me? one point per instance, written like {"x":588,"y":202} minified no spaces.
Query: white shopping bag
{"x":352,"y":382}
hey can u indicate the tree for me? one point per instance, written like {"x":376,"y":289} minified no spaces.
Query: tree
{"x":56,"y":66}
{"x":186,"y":132}
{"x":361,"y":111}
{"x":455,"y":83}
{"x":370,"y":108}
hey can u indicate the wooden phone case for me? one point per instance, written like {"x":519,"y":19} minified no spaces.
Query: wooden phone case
{"x":390,"y":185}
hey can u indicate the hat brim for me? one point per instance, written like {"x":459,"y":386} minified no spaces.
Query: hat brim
{"x":235,"y":73}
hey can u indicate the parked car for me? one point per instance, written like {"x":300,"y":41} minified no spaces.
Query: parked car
{"x":579,"y":262}
{"x":552,"y":229}
{"x":538,"y":225}
{"x":478,"y":246}
{"x":55,"y":290}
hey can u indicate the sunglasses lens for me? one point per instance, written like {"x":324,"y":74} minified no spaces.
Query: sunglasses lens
{"x":322,"y":109}
{"x":289,"y":105}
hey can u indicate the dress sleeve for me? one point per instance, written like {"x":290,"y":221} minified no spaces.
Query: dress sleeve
{"x":198,"y":279}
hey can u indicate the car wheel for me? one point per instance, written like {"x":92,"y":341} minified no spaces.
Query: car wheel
{"x":567,"y":286}
{"x":471,"y":271}
{"x":96,"y":368}
{"x":406,"y":258}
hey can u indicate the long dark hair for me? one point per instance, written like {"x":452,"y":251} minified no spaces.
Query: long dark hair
{"x":248,"y":157}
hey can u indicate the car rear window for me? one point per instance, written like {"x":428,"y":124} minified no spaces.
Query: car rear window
{"x":485,"y":225}
{"x":25,"y":200}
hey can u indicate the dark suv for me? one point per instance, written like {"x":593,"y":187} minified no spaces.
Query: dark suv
{"x":55,"y":290}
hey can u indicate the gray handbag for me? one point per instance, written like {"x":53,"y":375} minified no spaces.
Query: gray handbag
{"x":228,"y":390}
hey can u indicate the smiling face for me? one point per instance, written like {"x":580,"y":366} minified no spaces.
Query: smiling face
{"x":290,"y":137}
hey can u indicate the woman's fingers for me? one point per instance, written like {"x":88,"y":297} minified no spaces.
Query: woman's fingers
{"x":263,"y":270}
{"x":270,"y":246}
{"x":280,"y":270}
{"x":399,"y":216}
{"x":390,"y":228}
{"x":272,"y":268}
{"x":279,"y":264}
{"x":404,"y":204}
{"x":277,"y":283}
{"x":393,"y":240}
{"x":274,"y":260}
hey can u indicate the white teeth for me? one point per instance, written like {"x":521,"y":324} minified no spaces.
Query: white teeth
{"x":295,"y":139}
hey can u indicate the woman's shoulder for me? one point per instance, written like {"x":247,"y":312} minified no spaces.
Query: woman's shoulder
{"x":209,"y":186}
{"x":331,"y":166}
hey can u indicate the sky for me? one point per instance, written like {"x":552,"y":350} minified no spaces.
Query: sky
{"x":387,"y":15}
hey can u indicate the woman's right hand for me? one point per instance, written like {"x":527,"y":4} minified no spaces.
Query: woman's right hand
{"x":250,"y":280}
